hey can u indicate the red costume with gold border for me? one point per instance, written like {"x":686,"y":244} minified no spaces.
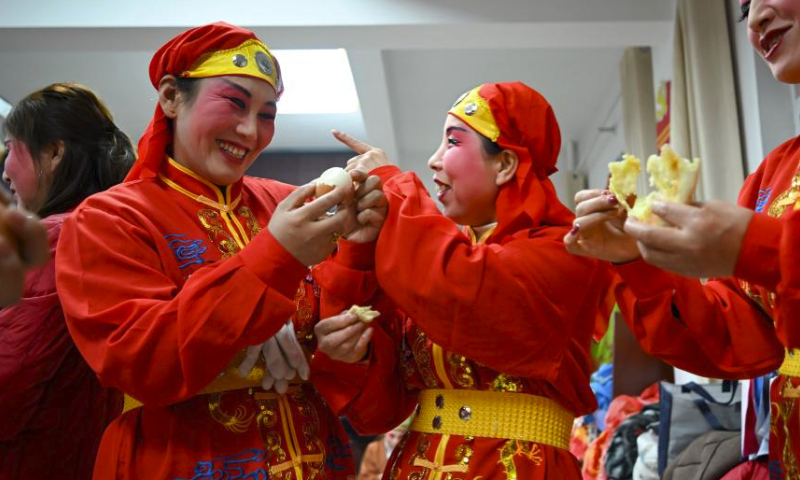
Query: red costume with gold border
{"x":729,"y":327}
{"x":484,"y":322}
{"x":167,"y":278}
{"x":162,"y":292}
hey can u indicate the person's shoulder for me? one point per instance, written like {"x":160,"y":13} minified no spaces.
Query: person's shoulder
{"x":52,"y":224}
{"x":129,"y":202}
{"x":123,"y":196}
{"x":786,"y":152}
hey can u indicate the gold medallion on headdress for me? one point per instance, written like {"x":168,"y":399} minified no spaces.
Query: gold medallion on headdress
{"x":473,"y":110}
{"x":252,"y":59}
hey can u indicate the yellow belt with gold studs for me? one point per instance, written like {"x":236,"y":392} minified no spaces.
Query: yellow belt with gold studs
{"x":791,"y":363}
{"x":506,"y":415}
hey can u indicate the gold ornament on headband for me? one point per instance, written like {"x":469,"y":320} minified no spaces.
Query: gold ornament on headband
{"x":473,"y":110}
{"x":252,"y":59}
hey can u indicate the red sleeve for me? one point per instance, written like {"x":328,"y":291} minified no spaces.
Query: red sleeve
{"x":151,"y":338}
{"x":513,"y":307}
{"x":347,"y":278}
{"x":788,"y":303}
{"x":758,"y":258}
{"x":371,"y":394}
{"x":360,"y":390}
{"x":33,"y":344}
{"x":712,"y":330}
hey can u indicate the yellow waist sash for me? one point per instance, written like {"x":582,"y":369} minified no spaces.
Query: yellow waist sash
{"x":476,"y":413}
{"x":226,"y":381}
{"x":791,"y":363}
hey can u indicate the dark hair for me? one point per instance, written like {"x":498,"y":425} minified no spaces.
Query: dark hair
{"x":187,"y":87}
{"x":489,"y":147}
{"x":97,"y":154}
{"x":745,"y":11}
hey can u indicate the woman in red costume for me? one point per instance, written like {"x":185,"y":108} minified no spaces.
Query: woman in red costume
{"x":63,"y":146}
{"x":497,"y":317}
{"x":736,"y":324}
{"x":168,"y":278}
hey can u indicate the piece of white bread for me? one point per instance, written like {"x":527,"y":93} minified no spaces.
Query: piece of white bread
{"x":622,"y":183}
{"x":365,"y":314}
{"x":673,"y":177}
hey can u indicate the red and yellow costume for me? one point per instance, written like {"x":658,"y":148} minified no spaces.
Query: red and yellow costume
{"x":494,"y":339}
{"x":54,"y":408}
{"x":728,"y":327}
{"x":165,"y":279}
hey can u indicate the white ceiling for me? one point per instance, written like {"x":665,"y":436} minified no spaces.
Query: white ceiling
{"x":410,"y":58}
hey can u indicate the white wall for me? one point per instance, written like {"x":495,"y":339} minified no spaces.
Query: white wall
{"x":603,"y":141}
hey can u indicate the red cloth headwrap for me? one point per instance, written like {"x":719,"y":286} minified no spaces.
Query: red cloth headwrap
{"x":529,"y":127}
{"x":173,"y":58}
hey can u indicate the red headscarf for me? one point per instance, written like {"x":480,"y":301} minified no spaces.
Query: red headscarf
{"x":529,"y":127}
{"x":173,"y":58}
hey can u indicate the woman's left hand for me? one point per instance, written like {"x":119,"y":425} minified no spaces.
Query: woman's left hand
{"x":704,"y":242}
{"x":368,"y":157}
{"x":371,"y":207}
{"x":343,"y":337}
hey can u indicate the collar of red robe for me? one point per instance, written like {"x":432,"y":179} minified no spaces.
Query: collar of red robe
{"x":185,"y":181}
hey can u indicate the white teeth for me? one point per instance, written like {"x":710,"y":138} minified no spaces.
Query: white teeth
{"x":440,"y":187}
{"x":235,"y":151}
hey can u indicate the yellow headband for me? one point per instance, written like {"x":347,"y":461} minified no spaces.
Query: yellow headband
{"x":473,"y":110}
{"x":252,"y":58}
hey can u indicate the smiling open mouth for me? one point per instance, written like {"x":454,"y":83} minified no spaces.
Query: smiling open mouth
{"x":770,"y":41}
{"x":232,"y":150}
{"x":441,"y":188}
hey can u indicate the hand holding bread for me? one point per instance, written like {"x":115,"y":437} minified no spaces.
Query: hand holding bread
{"x":673,"y":177}
{"x":600,"y":229}
{"x":345,"y":337}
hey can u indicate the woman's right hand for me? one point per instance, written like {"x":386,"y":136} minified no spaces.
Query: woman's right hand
{"x":597,"y":230}
{"x":367,"y":157}
{"x":343,"y":337}
{"x":305,"y":230}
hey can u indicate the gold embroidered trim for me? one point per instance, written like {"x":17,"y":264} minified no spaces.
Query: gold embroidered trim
{"x":200,"y":198}
{"x":250,"y":220}
{"x":435,"y":467}
{"x":238,"y":422}
{"x":484,"y":236}
{"x":438,"y":362}
{"x":512,"y":448}
{"x":504,"y":383}
{"x":226,"y":244}
{"x":423,"y":358}
{"x":460,"y":370}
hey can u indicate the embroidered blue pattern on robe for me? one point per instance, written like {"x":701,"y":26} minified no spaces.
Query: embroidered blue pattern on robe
{"x":247,"y":465}
{"x":187,"y":252}
{"x":763,"y":198}
{"x":337,"y":452}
